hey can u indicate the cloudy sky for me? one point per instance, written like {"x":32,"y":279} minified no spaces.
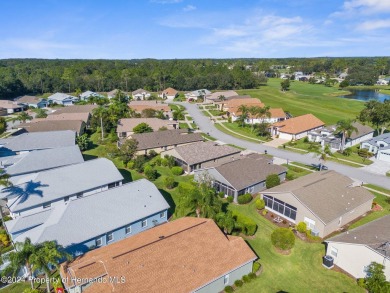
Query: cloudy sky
{"x":164,"y":29}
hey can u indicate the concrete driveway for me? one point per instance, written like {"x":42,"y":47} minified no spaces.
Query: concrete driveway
{"x":378,"y":167}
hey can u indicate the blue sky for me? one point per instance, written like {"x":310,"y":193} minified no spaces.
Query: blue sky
{"x":193,"y":29}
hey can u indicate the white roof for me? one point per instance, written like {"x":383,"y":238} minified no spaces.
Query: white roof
{"x":61,"y":97}
{"x":91,"y":216}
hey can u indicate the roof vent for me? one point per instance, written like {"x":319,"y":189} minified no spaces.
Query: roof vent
{"x":144,"y":206}
{"x":161,"y":237}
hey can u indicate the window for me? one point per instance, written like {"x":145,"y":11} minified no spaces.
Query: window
{"x":111,"y":185}
{"x":124,"y":134}
{"x":162,"y":214}
{"x":98,"y":242}
{"x":128,"y":229}
{"x":334,"y":251}
{"x":46,"y":205}
{"x":79,"y":195}
{"x":226,"y":279}
{"x":144,"y":223}
{"x":110,"y":237}
{"x":66,"y":198}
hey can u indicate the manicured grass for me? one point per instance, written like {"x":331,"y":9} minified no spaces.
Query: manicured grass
{"x":246,"y":130}
{"x":384,"y":202}
{"x":354,"y":157}
{"x":176,"y":107}
{"x":216,"y":112}
{"x":16,"y":288}
{"x":301,"y":271}
{"x":295,"y":171}
{"x":378,"y":188}
{"x":183,"y":125}
{"x":189,"y":118}
{"x":221,"y":128}
{"x":205,"y":113}
{"x":237,"y":147}
{"x":208,"y":137}
{"x":304,"y":98}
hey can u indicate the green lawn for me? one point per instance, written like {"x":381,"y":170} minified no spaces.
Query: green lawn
{"x":301,"y":271}
{"x":306,"y":98}
{"x":208,"y":137}
{"x":183,"y":125}
{"x":295,"y":171}
{"x":205,"y":113}
{"x":378,"y":188}
{"x":246,"y":130}
{"x":176,"y":107}
{"x":216,"y":112}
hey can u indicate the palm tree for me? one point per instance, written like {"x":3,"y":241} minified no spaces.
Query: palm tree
{"x":253,"y":111}
{"x":244,"y":113}
{"x":47,"y":254}
{"x":264,"y":112}
{"x":23,"y":117}
{"x":346,"y":128}
{"x":178,"y":114}
{"x":4,"y":179}
{"x":21,"y":258}
{"x":100,"y":112}
{"x":222,"y":98}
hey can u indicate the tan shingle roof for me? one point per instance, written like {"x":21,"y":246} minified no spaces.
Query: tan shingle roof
{"x":170,"y":91}
{"x":138,"y":106}
{"x":67,"y":116}
{"x":9,"y":104}
{"x":75,"y":109}
{"x":227,"y":94}
{"x":327,"y":194}
{"x":165,"y":138}
{"x":127,"y":124}
{"x":204,"y":151}
{"x":299,"y":124}
{"x":140,"y":91}
{"x":179,"y":256}
{"x":277,"y":113}
{"x":29,"y":99}
{"x":235,"y":103}
{"x":53,"y":125}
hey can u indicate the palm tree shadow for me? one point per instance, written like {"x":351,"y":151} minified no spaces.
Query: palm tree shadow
{"x":25,"y":191}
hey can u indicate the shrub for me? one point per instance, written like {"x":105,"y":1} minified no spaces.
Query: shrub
{"x":230,"y":199}
{"x":361,"y":282}
{"x":256,"y":267}
{"x":221,"y":194}
{"x":264,"y":212}
{"x":177,"y":171}
{"x":290,"y":176}
{"x":169,"y":182}
{"x":130,"y":165}
{"x":228,"y":289}
{"x":139,"y":163}
{"x":283,"y":238}
{"x":152,"y":153}
{"x":245,"y":224}
{"x":238,"y":283}
{"x":246,"y":279}
{"x":302,"y":227}
{"x":260,"y":204}
{"x":252,"y":276}
{"x":306,"y":139}
{"x":347,"y":152}
{"x":164,"y":162}
{"x":272,"y":180}
{"x":245,"y":198}
{"x":158,"y":161}
{"x":170,"y":161}
{"x":150,"y":173}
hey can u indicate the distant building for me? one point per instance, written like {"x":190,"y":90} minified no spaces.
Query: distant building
{"x":62,"y":99}
{"x":140,"y":95}
{"x":12,"y":107}
{"x":138,"y":106}
{"x":379,"y":146}
{"x":126,"y":125}
{"x":185,"y":255}
{"x":216,"y":97}
{"x":47,"y":125}
{"x":32,"y":101}
{"x":114,"y":92}
{"x":194,"y":95}
{"x":89,"y":94}
{"x":168,"y":93}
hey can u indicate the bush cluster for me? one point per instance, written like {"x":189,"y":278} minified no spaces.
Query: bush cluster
{"x":256,"y":267}
{"x":177,"y":171}
{"x":169,"y":182}
{"x":283,"y":238}
{"x":302,"y":227}
{"x":228,"y":289}
{"x":238,"y":283}
{"x":230,"y":199}
{"x":244,"y":224}
{"x":245,"y":198}
{"x":260,"y":204}
{"x":150,"y":173}
{"x":272,"y":180}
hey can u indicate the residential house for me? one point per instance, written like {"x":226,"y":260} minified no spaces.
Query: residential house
{"x":62,"y":99}
{"x":297,"y":127}
{"x":244,"y":175}
{"x":32,"y":101}
{"x":194,"y":95}
{"x":221,"y":104}
{"x":11,"y":107}
{"x":140,"y":95}
{"x":382,"y":82}
{"x":95,"y":220}
{"x":343,"y":75}
{"x":114,"y":92}
{"x":325,"y":201}
{"x":47,"y":125}
{"x":216,"y":97}
{"x":138,"y":106}
{"x":85,"y":117}
{"x":163,"y":140}
{"x":169,"y":94}
{"x":27,"y":142}
{"x":329,"y":136}
{"x":40,"y":191}
{"x":74,"y":109}
{"x":232,"y":106}
{"x":126,"y":125}
{"x":185,"y":255}
{"x":354,"y":250}
{"x":201,"y":154}
{"x":379,"y":146}
{"x":40,"y":160}
{"x":89,"y":94}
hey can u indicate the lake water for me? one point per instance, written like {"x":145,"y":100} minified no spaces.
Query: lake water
{"x":366,"y":95}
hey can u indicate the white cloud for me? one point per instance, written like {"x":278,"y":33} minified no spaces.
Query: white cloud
{"x":189,"y":8}
{"x":370,"y":25}
{"x":354,"y":8}
{"x":37,"y":45}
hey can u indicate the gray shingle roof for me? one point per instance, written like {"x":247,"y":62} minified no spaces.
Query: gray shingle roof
{"x":75,"y":109}
{"x":48,"y":125}
{"x":373,"y":234}
{"x":383,"y":137}
{"x":61,"y":97}
{"x":327,"y":194}
{"x":39,"y":140}
{"x":248,"y":170}
{"x":40,"y":160}
{"x":28,"y":221}
{"x":127,"y":124}
{"x":165,"y":138}
{"x":38,"y":188}
{"x":140,"y":91}
{"x":91,"y":216}
{"x":204,"y":151}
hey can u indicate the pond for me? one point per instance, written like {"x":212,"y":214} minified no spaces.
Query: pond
{"x":366,"y":95}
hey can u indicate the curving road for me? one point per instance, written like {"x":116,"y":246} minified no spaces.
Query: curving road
{"x":207,"y":126}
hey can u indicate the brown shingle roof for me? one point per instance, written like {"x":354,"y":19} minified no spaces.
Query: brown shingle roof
{"x":54,"y":125}
{"x":216,"y":95}
{"x":248,"y":170}
{"x":235,"y":103}
{"x":170,"y":92}
{"x":277,"y":113}
{"x":327,"y":194}
{"x":299,"y":124}
{"x":127,"y":124}
{"x":9,"y":104}
{"x":158,"y":139}
{"x":68,"y":116}
{"x":373,"y":234}
{"x":140,"y":91}
{"x":180,"y":256}
{"x":204,"y":151}
{"x":75,"y":109}
{"x":138,"y":106}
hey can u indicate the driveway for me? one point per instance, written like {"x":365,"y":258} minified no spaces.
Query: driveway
{"x":207,"y":126}
{"x":275,"y":143}
{"x":378,"y":167}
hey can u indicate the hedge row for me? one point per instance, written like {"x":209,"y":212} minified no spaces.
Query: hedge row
{"x":245,"y":224}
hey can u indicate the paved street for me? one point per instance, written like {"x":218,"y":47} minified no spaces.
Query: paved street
{"x":207,"y":126}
